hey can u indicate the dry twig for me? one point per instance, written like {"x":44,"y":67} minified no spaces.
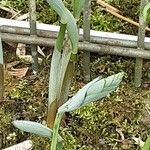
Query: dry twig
{"x":112,"y":10}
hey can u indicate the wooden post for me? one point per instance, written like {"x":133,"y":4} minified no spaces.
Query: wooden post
{"x":140,"y":45}
{"x":86,"y":37}
{"x":33,"y":33}
{"x":1,"y":71}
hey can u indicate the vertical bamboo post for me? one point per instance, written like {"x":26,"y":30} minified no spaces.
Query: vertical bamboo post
{"x":1,"y":71}
{"x":86,"y":37}
{"x":140,"y":45}
{"x":33,"y":32}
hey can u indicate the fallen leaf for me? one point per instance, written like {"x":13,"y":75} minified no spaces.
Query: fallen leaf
{"x":20,"y":73}
{"x":12,"y":64}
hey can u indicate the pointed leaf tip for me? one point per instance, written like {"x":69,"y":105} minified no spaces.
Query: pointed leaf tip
{"x":95,"y":90}
{"x":35,"y":128}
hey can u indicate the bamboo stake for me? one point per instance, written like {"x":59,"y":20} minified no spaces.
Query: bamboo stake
{"x":86,"y":37}
{"x":140,"y":45}
{"x":33,"y":32}
{"x":112,"y":10}
{"x":90,"y":47}
{"x":1,"y":71}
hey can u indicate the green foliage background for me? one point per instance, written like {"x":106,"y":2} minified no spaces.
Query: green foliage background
{"x":100,"y":20}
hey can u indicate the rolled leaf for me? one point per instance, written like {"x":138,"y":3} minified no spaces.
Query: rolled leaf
{"x":145,"y":11}
{"x":35,"y":128}
{"x":54,"y":76}
{"x":72,"y":31}
{"x":95,"y":90}
{"x":67,"y":18}
{"x":102,"y":88}
{"x":54,"y":84}
{"x":59,"y":7}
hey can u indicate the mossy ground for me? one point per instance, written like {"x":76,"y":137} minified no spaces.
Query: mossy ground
{"x":100,"y":125}
{"x":106,"y":125}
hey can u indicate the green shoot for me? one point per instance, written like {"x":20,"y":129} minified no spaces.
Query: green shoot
{"x":64,"y":51}
{"x":95,"y":90}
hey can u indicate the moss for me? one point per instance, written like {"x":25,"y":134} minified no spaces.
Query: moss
{"x":97,"y":124}
{"x":94,"y":126}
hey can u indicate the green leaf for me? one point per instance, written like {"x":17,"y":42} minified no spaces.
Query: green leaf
{"x":59,"y":7}
{"x":77,"y":7}
{"x":54,"y":84}
{"x":102,"y":88}
{"x":59,"y":146}
{"x":145,"y":11}
{"x":95,"y":90}
{"x":35,"y":128}
{"x":72,"y":32}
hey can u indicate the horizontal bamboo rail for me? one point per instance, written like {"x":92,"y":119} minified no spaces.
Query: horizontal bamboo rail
{"x":91,"y":47}
{"x":44,"y":30}
{"x":131,"y":43}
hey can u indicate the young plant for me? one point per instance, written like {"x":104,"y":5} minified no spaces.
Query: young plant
{"x":64,"y":52}
{"x":95,"y":90}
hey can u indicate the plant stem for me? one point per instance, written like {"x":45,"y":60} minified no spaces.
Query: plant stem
{"x":55,"y":132}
